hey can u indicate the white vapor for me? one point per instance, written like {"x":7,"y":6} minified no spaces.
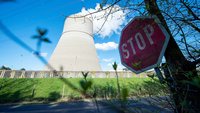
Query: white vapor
{"x":113,"y":21}
{"x":106,"y":46}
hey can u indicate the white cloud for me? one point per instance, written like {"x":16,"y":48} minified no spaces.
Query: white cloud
{"x":113,"y":21}
{"x":107,"y":60}
{"x":106,"y":46}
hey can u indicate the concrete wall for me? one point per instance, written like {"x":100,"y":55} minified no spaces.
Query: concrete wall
{"x":65,"y":74}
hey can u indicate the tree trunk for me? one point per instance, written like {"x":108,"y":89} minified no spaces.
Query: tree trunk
{"x":185,"y":95}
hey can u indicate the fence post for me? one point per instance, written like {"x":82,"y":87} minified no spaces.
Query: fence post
{"x":63,"y":91}
{"x":2,"y":73}
{"x":32,"y":74}
{"x":22,"y":75}
{"x":12,"y":74}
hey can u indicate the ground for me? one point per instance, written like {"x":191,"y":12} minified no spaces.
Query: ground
{"x":84,"y":107}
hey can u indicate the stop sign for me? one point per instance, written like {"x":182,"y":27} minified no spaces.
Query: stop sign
{"x":142,"y":44}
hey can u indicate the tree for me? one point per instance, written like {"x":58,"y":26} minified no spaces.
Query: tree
{"x":180,"y":68}
{"x":23,"y":69}
{"x":5,"y":68}
{"x":182,"y":22}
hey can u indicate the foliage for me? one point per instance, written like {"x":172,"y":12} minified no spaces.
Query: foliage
{"x":85,"y":75}
{"x":5,"y":68}
{"x":41,"y":38}
{"x":114,"y":66}
{"x":85,"y":84}
{"x":23,"y":69}
{"x":37,"y":89}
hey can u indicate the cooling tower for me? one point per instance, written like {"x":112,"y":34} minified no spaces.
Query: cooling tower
{"x":75,"y":50}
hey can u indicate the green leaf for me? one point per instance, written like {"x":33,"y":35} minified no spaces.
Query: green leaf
{"x":85,"y":85}
{"x":115,"y":66}
{"x":124,"y":94}
{"x":151,"y":75}
{"x":42,"y":32}
{"x":85,"y":74}
{"x":46,"y":40}
{"x":137,"y":64}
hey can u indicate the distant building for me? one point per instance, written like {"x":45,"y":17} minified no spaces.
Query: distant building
{"x":75,"y":50}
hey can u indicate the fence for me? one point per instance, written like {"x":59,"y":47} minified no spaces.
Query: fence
{"x":65,"y":74}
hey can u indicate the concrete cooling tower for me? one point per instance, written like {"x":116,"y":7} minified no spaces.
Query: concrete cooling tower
{"x":75,"y":50}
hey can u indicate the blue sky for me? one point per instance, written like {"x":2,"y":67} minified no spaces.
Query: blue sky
{"x":23,"y":17}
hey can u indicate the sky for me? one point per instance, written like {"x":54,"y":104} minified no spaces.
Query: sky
{"x":23,"y":17}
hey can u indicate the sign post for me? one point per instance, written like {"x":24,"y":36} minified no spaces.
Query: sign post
{"x":142,"y":44}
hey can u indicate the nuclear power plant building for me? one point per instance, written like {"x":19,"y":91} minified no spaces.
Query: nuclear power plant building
{"x":75,"y":50}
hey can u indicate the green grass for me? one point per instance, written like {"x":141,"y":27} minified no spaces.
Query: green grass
{"x":51,"y":89}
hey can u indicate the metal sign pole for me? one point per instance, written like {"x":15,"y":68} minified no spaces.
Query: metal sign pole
{"x":159,"y":74}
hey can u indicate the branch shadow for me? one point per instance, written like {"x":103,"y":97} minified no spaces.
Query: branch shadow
{"x":12,"y":90}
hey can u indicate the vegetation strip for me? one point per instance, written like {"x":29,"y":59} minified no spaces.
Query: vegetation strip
{"x":53,"y":89}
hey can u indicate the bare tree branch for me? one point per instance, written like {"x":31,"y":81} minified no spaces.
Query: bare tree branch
{"x":183,"y":35}
{"x":81,"y":16}
{"x":192,"y":25}
{"x":190,"y":10}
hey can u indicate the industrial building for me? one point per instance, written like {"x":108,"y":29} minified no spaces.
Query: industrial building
{"x":75,"y":50}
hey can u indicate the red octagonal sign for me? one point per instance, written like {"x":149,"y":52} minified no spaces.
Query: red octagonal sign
{"x":142,"y":44}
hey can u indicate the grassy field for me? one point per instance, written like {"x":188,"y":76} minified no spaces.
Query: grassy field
{"x":52,"y":89}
